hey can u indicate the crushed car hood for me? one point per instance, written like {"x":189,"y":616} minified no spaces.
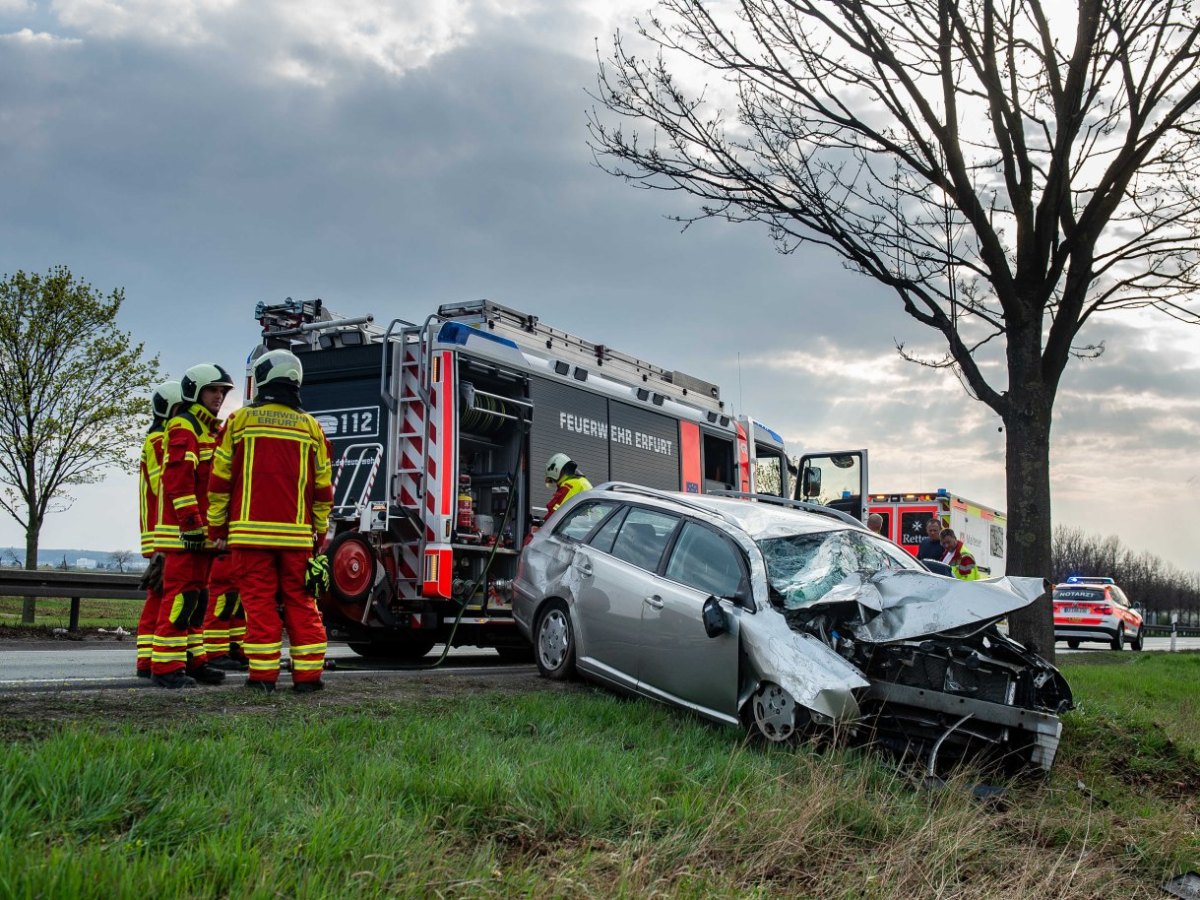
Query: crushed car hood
{"x":915,"y":604}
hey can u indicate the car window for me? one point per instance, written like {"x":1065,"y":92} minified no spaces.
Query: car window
{"x":803,"y":568}
{"x":578,"y":524}
{"x":605,"y":535}
{"x":706,"y":561}
{"x":643,"y":536}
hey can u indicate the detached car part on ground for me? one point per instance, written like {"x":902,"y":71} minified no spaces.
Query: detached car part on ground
{"x":787,"y":622}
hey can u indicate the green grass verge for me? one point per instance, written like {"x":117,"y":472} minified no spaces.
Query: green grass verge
{"x":53,"y":612}
{"x":565,"y":793}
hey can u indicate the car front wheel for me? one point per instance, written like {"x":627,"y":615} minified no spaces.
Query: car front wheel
{"x":1073,"y":644}
{"x":1139,"y":639}
{"x":1118,"y":643}
{"x":774,"y":712}
{"x":554,"y":642}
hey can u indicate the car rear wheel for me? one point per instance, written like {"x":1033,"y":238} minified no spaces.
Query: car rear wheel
{"x":774,"y":712}
{"x":1139,"y":639}
{"x":1118,"y":643}
{"x":554,"y":642}
{"x":1073,"y":644}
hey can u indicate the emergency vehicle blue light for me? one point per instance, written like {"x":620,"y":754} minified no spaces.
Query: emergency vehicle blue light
{"x":774,"y":434}
{"x":942,"y":492}
{"x":458,"y":333}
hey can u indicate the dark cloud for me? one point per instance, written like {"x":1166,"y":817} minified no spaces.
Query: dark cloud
{"x":188,"y":170}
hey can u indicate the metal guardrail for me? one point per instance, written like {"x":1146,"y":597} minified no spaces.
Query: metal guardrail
{"x":70,"y":585}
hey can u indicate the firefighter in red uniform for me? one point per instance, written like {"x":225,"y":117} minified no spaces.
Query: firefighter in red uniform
{"x":167,"y":396}
{"x":564,"y":476}
{"x":178,"y":658}
{"x":271,"y":495}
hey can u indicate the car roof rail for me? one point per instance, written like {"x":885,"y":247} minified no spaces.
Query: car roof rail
{"x":794,"y":504}
{"x":628,"y":488}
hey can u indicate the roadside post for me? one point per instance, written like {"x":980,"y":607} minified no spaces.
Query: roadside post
{"x":1174,"y":629}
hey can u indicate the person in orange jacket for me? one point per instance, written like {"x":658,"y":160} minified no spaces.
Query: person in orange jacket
{"x":271,"y":495}
{"x":163,"y":403}
{"x":178,"y":658}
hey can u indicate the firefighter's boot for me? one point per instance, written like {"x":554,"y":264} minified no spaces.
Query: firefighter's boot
{"x":173,"y":680}
{"x":206,"y":674}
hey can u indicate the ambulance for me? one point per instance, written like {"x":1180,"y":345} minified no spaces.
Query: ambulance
{"x":982,"y":529}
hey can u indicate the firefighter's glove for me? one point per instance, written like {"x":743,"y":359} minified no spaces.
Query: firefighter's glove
{"x":193,"y":540}
{"x":152,"y":577}
{"x":316,"y":575}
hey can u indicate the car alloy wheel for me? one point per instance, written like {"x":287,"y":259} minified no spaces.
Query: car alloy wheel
{"x":1139,"y":639}
{"x":774,"y":712}
{"x":554,"y":643}
{"x":1118,"y":643}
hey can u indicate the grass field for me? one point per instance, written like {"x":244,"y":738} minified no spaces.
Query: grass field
{"x":53,"y":612}
{"x":423,"y":791}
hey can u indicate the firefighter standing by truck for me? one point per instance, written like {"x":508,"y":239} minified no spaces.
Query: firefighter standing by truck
{"x":271,"y":496}
{"x":163,"y":403}
{"x":564,"y":476}
{"x":178,"y":658}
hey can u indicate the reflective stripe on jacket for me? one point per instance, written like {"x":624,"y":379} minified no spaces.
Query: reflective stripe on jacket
{"x":149,"y":484}
{"x":190,"y":439}
{"x":271,"y":480}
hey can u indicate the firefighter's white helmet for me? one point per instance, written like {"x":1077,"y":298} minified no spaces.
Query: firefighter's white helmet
{"x":555,"y":466}
{"x":198,"y":377}
{"x":278,"y":365}
{"x":166,"y":396}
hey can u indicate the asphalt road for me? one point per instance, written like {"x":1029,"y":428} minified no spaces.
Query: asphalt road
{"x":69,"y":665}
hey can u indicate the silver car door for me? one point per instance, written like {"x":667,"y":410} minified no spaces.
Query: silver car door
{"x":680,"y":662}
{"x":620,"y":560}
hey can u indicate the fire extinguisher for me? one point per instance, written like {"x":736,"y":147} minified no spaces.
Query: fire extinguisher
{"x":466,"y":504}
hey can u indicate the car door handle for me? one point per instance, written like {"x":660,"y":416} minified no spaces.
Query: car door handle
{"x":583,"y":566}
{"x":654,"y":600}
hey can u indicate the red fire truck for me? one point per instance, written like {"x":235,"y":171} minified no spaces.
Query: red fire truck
{"x":441,"y":429}
{"x":982,"y":528}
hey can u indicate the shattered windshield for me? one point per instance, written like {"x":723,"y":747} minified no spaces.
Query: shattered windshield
{"x":803,"y":568}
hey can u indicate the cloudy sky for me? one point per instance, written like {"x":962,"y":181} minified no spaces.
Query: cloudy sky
{"x":390,"y":156}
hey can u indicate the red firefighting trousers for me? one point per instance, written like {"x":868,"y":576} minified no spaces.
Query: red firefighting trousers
{"x":179,"y":634}
{"x":224,"y":620}
{"x":270,"y":581}
{"x":147,"y":624}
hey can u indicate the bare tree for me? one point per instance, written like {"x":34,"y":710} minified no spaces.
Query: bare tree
{"x":1009,"y":170}
{"x":121,"y":559}
{"x":69,"y":396}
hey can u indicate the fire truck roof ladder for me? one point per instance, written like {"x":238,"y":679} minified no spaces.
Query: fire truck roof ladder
{"x":529,"y":332}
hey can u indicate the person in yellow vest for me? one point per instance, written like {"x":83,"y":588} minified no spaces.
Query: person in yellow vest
{"x":564,"y":476}
{"x":958,"y":557}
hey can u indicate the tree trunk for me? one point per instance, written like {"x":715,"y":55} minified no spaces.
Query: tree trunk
{"x":32,"y":535}
{"x":1027,"y":451}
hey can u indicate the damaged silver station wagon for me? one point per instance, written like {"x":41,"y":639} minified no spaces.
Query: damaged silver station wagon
{"x":785,"y":621}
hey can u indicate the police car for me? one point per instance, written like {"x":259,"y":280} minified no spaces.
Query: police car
{"x":1095,"y":609}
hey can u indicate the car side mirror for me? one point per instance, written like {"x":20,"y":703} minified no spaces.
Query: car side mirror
{"x":714,"y":618}
{"x":811,"y":483}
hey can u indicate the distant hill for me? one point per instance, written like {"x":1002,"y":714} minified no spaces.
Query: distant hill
{"x":52,"y":557}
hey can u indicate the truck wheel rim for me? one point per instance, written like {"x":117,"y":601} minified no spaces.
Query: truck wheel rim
{"x":352,"y":569}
